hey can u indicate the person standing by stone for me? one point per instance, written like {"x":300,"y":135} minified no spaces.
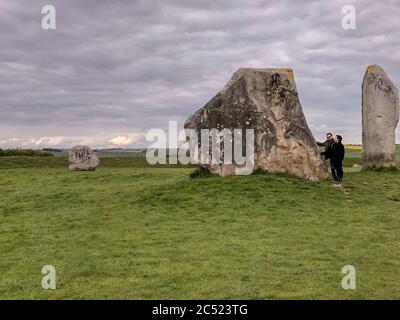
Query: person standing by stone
{"x":337,"y":158}
{"x":328,"y":145}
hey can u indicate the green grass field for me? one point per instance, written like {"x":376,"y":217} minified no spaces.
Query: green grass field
{"x":129,"y":231}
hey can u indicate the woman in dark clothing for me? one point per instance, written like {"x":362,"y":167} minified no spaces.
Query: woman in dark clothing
{"x":337,"y":159}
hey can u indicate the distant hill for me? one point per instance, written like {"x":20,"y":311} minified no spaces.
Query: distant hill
{"x":24,"y":152}
{"x":52,"y":150}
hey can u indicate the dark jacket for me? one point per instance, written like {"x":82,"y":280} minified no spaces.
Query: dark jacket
{"x":338,"y":152}
{"x":328,"y":144}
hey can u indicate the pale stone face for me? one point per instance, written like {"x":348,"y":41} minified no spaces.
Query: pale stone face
{"x":82,"y":158}
{"x":265,"y":100}
{"x":380,"y":115}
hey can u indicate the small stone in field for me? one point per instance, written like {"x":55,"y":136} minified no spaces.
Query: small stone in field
{"x":82,"y":158}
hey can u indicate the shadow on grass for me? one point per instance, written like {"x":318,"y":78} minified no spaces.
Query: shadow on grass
{"x":285,"y":175}
{"x":375,"y":168}
{"x":201,"y":172}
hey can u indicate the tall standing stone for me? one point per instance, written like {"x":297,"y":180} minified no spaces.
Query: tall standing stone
{"x":265,"y":100}
{"x":82,"y":158}
{"x":380,"y":115}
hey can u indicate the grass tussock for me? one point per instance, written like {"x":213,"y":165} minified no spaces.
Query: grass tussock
{"x":200,"y":172}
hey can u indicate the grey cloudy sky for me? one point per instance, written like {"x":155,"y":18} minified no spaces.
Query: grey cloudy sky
{"x":114,"y":69}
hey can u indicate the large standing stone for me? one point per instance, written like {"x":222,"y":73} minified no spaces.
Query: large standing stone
{"x":380,"y":114}
{"x":82,"y":158}
{"x":265,"y":100}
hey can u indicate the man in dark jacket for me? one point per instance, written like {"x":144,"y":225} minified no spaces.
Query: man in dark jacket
{"x":328,"y":144}
{"x":338,"y":153}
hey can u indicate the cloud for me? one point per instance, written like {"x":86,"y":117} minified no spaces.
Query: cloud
{"x":116,"y":67}
{"x":125,"y":140}
{"x":49,"y":141}
{"x":121,"y":140}
{"x":322,"y":129}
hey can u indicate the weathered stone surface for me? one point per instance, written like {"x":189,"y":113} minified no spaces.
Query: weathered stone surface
{"x":82,"y":158}
{"x":380,"y":115}
{"x":265,"y":100}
